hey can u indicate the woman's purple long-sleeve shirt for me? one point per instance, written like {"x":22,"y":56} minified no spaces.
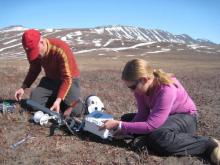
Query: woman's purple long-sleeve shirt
{"x":154,"y":110}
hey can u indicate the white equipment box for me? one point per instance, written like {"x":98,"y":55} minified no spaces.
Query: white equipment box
{"x":94,"y":120}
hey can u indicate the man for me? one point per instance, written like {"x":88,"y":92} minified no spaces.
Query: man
{"x":61,"y":81}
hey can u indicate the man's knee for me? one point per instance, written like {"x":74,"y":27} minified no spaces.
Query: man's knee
{"x":38,"y":95}
{"x":35,"y":95}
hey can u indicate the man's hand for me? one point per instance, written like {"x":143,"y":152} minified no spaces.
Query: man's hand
{"x":67,"y":112}
{"x":18,"y":94}
{"x":56,"y":105}
{"x":110,"y":124}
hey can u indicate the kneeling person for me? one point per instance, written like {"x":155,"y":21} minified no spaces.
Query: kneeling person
{"x":61,"y":81}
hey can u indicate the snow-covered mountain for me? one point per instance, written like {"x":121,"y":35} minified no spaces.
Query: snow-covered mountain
{"x":115,"y":38}
{"x":144,"y":35}
{"x":13,"y":28}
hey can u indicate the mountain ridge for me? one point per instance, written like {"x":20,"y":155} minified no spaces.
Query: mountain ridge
{"x":109,"y":38}
{"x":179,"y":36}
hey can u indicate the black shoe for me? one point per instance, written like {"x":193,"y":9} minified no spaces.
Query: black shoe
{"x":140,"y":144}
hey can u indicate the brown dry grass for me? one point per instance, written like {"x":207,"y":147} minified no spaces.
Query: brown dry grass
{"x":101,"y":76}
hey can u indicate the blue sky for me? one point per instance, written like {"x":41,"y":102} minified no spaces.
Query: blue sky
{"x":197,"y":18}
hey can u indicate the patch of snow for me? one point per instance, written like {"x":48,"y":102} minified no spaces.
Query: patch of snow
{"x":159,"y":36}
{"x":134,"y":46}
{"x":99,"y":31}
{"x":77,"y":33}
{"x":129,"y":32}
{"x":16,"y":28}
{"x":79,"y":40}
{"x":49,"y":30}
{"x":6,"y":43}
{"x":3,"y":54}
{"x":126,"y":34}
{"x":118,"y":31}
{"x":9,"y":47}
{"x":145,"y":36}
{"x":160,"y":51}
{"x":97,"y":42}
{"x":196,"y":46}
{"x":108,"y":42}
{"x":64,"y":38}
{"x":85,"y":51}
{"x":109,"y":31}
{"x":155,"y":35}
{"x":139,"y":34}
{"x":177,"y":40}
{"x":14,"y":36}
{"x":116,"y":49}
{"x":140,"y":37}
{"x":69,"y":36}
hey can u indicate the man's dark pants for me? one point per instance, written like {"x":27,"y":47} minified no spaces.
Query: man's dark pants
{"x":46,"y":93}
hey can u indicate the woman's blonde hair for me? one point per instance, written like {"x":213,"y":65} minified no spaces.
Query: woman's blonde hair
{"x":137,"y":68}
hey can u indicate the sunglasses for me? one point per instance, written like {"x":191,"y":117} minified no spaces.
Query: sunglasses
{"x":134,"y":86}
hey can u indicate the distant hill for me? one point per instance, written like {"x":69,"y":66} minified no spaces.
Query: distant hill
{"x":107,"y":38}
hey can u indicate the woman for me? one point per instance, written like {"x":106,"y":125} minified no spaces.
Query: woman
{"x":166,"y":117}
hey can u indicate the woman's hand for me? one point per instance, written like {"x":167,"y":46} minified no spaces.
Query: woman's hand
{"x":56,"y":105}
{"x":110,"y":124}
{"x":113,"y":125}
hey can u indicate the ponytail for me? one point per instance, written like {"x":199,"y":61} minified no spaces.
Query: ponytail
{"x":163,"y":77}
